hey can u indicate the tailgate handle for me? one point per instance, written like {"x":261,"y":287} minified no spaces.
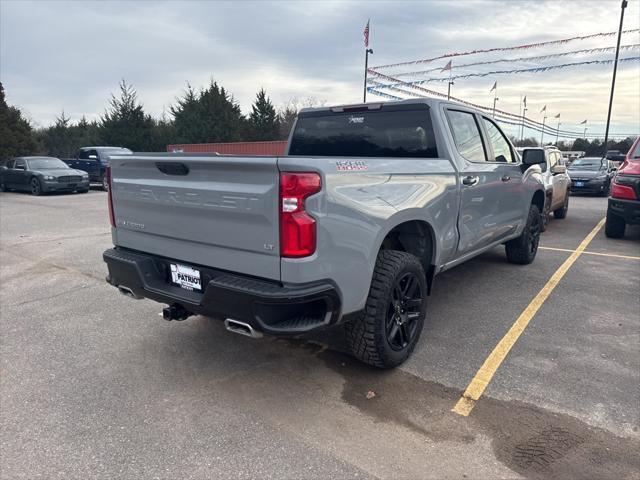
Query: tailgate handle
{"x":173,"y":168}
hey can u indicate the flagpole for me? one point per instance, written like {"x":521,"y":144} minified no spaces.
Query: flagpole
{"x":584,"y":134}
{"x":524,"y":113}
{"x":542,"y":135}
{"x":450,"y":83}
{"x":495,"y":99}
{"x":520,"y":114}
{"x":613,"y":81}
{"x":557,"y":132}
{"x":366,"y":69}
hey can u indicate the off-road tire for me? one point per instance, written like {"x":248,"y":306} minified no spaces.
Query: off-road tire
{"x":366,"y":334}
{"x":614,"y":226}
{"x":562,"y":212}
{"x":522,"y":250}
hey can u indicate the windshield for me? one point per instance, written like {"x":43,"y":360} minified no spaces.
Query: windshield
{"x":588,"y":164}
{"x":46,"y":164}
{"x":636,"y":151}
{"x":406,"y":133}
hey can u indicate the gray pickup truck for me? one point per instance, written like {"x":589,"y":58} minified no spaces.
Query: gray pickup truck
{"x":351,"y":226}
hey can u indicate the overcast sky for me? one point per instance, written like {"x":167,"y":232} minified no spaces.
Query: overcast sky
{"x":70,"y":56}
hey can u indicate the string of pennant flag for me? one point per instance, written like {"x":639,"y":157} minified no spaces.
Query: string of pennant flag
{"x":544,"y":68}
{"x":520,"y":59}
{"x":504,"y":49}
{"x":381,"y":84}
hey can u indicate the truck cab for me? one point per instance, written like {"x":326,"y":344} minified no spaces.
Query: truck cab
{"x":94,"y":161}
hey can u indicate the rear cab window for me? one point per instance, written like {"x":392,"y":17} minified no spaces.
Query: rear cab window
{"x":390,"y":132}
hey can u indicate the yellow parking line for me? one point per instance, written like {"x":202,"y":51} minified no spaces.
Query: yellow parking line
{"x":488,"y":369}
{"x":615,"y":255}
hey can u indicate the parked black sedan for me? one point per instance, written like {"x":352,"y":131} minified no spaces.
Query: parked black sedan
{"x":40,"y":175}
{"x":591,"y":175}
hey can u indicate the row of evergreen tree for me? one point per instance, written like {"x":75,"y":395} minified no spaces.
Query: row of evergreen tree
{"x":208,"y":115}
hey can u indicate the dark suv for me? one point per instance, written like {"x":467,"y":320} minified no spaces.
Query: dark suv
{"x":624,"y":202}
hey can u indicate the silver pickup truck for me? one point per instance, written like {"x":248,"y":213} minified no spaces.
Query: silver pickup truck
{"x":351,"y":226}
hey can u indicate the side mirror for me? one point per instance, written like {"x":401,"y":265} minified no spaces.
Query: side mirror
{"x":533,"y":157}
{"x":556,"y":169}
{"x":93,"y":157}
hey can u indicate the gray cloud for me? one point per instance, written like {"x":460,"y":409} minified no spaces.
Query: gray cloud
{"x":71,"y":55}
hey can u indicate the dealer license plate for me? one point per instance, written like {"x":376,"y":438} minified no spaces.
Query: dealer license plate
{"x":186,"y":277}
{"x":579,"y":184}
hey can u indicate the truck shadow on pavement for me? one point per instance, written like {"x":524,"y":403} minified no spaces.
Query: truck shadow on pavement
{"x":286,"y":379}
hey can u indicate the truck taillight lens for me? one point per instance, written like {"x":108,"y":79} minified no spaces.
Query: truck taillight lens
{"x":112,"y":218}
{"x":622,"y":191}
{"x":297,"y":227}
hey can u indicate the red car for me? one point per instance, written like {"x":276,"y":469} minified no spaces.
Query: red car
{"x":624,"y":200}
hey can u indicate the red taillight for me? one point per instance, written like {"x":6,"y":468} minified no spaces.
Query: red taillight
{"x":112,"y":218}
{"x":622,"y":191}
{"x":297,"y":227}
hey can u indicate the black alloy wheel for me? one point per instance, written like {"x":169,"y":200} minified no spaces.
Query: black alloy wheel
{"x":36,"y":188}
{"x":404,"y":311}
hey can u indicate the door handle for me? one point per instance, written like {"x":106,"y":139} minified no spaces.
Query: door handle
{"x":505,"y":178}
{"x":470,"y":180}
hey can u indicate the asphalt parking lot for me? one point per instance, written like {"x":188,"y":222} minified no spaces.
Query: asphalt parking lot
{"x":94,"y":384}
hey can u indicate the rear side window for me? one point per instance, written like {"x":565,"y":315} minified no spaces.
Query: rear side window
{"x":467,"y":136}
{"x":406,"y":133}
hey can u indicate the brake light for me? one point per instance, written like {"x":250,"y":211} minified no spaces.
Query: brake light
{"x":622,"y":191}
{"x":297,"y":227}
{"x":112,"y":217}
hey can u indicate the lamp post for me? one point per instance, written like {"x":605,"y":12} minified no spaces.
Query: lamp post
{"x":613,"y":81}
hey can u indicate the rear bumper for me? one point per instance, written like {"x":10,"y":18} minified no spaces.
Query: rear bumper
{"x":629,"y":210}
{"x":268,"y":306}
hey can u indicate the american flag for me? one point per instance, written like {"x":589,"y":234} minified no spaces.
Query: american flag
{"x":582,"y":123}
{"x":446,"y":67}
{"x":366,"y":35}
{"x":495,"y":85}
{"x":525,"y":101}
{"x":544,"y":109}
{"x":557,"y":116}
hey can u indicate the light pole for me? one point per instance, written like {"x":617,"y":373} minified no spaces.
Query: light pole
{"x":613,"y":81}
{"x":366,"y":67}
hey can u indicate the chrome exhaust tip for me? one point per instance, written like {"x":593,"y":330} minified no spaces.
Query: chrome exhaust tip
{"x":241,"y":328}
{"x":127,"y":292}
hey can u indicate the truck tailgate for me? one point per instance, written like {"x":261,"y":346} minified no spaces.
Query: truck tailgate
{"x":215,"y":211}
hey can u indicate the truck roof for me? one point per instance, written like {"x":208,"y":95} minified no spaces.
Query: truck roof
{"x":431,"y":102}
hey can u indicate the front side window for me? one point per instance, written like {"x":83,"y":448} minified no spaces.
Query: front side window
{"x":84,"y":154}
{"x":20,"y":164}
{"x":501,"y":148}
{"x":466,"y":135}
{"x":403,"y":133}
